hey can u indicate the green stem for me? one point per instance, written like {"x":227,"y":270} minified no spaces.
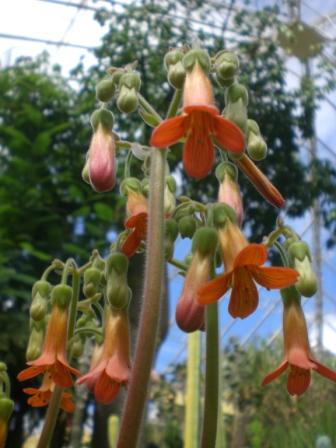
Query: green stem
{"x":51,"y":418}
{"x":282,"y":253}
{"x":150,"y":314}
{"x":211,"y":378}
{"x":148,"y":108}
{"x":74,"y":302}
{"x":70,"y":263}
{"x":174,"y":104}
{"x":191,"y":424}
{"x":56,"y":264}
{"x":87,"y":330}
{"x":178,"y":264}
{"x":127,"y":169}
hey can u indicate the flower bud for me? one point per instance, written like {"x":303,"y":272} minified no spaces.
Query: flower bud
{"x":298,"y":250}
{"x":222,"y":214}
{"x":35,"y":342}
{"x":41,"y":287}
{"x":236,"y":92}
{"x":38,"y":308}
{"x":105,"y":90}
{"x":61,"y":296}
{"x":131,"y":80}
{"x":172,"y":58}
{"x":169,"y":201}
{"x":6,"y":409}
{"x":102,"y":117}
{"x":187,"y":226}
{"x":116,"y":76}
{"x":176,"y":75}
{"x":77,"y":347}
{"x":205,"y":241}
{"x":117,"y":291}
{"x":197,"y":55}
{"x":229,"y":192}
{"x":253,"y":127}
{"x":236,"y":112}
{"x":92,"y":279}
{"x":307,"y":283}
{"x":85,"y":172}
{"x":256,"y":147}
{"x":130,"y":184}
{"x":127,"y":101}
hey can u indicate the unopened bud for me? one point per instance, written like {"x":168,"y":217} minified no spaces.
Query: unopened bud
{"x":92,"y":279}
{"x":77,"y":347}
{"x":105,"y":90}
{"x":127,"y":101}
{"x":116,"y":75}
{"x":307,"y":283}
{"x":130,"y":184}
{"x":38,"y":307}
{"x":236,"y":112}
{"x":117,"y":291}
{"x":172,"y":58}
{"x":41,"y":287}
{"x":236,"y":92}
{"x":205,"y":241}
{"x":130,"y":80}
{"x":222,"y":213}
{"x":256,"y":147}
{"x":104,"y":117}
{"x":226,"y":65}
{"x":35,"y":342}
{"x":177,"y":75}
{"x":187,"y":226}
{"x":6,"y":409}
{"x":171,"y":230}
{"x":61,"y":296}
{"x":197,"y":55}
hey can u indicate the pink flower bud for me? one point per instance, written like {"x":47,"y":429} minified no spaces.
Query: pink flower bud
{"x":229,"y":193}
{"x":102,"y":161}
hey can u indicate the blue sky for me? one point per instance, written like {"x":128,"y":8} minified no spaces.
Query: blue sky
{"x":66,"y":24}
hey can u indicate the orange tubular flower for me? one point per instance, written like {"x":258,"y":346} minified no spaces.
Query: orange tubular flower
{"x":52,"y":359}
{"x":102,"y":160}
{"x":41,"y":396}
{"x":243,"y":264}
{"x":199,"y":122}
{"x":137,"y":211}
{"x":260,"y":182}
{"x":189,"y":314}
{"x":297,"y":353}
{"x":112,"y":370}
{"x":229,"y":193}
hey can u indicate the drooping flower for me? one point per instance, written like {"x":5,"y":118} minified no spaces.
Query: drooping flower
{"x":264,"y":186}
{"x":243,"y":265}
{"x":102,"y":163}
{"x":298,"y":358}
{"x":41,"y":396}
{"x":53,"y":359}
{"x":137,"y":211}
{"x":111,"y":369}
{"x":199,"y":123}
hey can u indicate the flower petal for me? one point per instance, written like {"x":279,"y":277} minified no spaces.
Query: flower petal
{"x":131,"y":244}
{"x":214,"y":289}
{"x":276,"y":373}
{"x":253,"y":254}
{"x":39,"y":399}
{"x":106,"y":389}
{"x":298,"y":380}
{"x":274,"y":277}
{"x":229,"y":135}
{"x":66,"y":402}
{"x":26,"y":374}
{"x":198,"y":153}
{"x":168,"y":132}
{"x":325,"y":371}
{"x":244,"y":296}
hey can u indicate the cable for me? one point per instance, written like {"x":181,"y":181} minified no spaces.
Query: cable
{"x":43,"y":41}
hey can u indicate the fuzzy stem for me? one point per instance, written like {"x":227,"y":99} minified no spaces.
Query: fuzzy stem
{"x":211,"y":378}
{"x":191,"y":424}
{"x":148,"y":108}
{"x":149,"y":319}
{"x":174,"y":104}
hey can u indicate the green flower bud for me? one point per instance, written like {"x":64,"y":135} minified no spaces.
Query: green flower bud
{"x":41,"y":287}
{"x":226,"y":64}
{"x":187,"y":226}
{"x":237,"y":113}
{"x":61,"y":296}
{"x":77,"y":347}
{"x":222,"y":213}
{"x":103,"y":117}
{"x":92,"y":279}
{"x":226,"y":169}
{"x":256,"y":147}
{"x":197,"y":55}
{"x":171,"y":230}
{"x":171,"y":183}
{"x":127,"y":101}
{"x":176,"y":75}
{"x":130,"y":184}
{"x":117,"y":262}
{"x":130,"y":80}
{"x":236,"y":92}
{"x":169,"y":201}
{"x":225,"y":82}
{"x":205,"y":241}
{"x":253,"y":127}
{"x":299,"y":250}
{"x":35,"y":343}
{"x":39,"y":307}
{"x":105,"y":90}
{"x":307,"y":283}
{"x":6,"y":408}
{"x":117,"y":291}
{"x":99,"y":263}
{"x":116,"y":76}
{"x":172,"y":58}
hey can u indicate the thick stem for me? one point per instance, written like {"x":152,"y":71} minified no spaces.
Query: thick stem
{"x":149,"y":319}
{"x":211,"y":378}
{"x":191,"y":425}
{"x":175,"y":103}
{"x":51,"y":418}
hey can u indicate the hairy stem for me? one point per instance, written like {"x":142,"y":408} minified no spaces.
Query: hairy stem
{"x":149,"y":319}
{"x":211,"y":378}
{"x":51,"y":418}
